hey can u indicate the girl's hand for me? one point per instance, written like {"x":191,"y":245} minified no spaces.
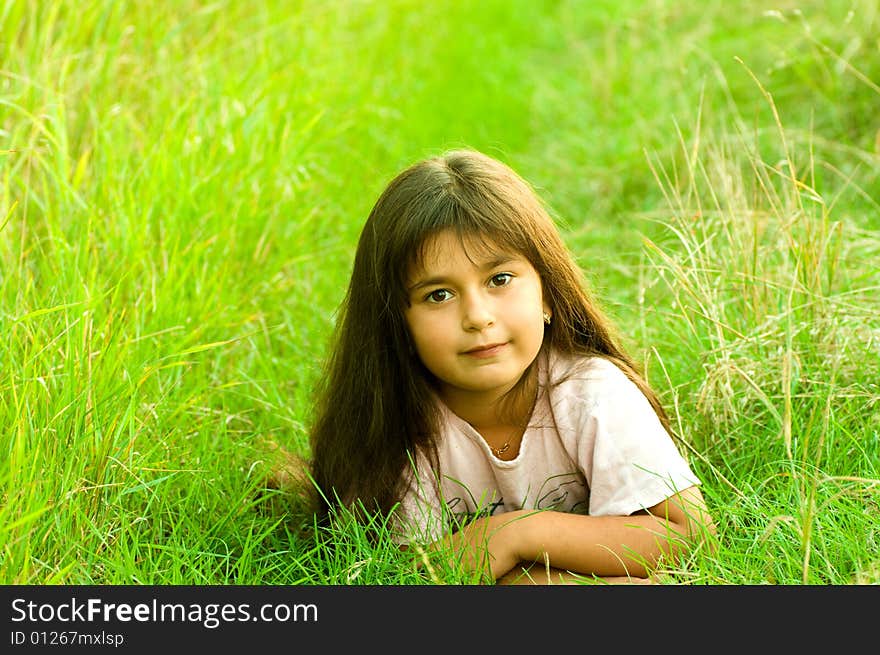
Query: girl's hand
{"x":490,"y":544}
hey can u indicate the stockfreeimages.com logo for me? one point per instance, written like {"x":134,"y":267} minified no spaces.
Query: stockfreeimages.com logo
{"x":209,"y":615}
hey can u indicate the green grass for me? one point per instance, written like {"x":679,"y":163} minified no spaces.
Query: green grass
{"x":182,"y":186}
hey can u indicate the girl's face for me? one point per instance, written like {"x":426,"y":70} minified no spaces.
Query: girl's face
{"x":475,"y":317}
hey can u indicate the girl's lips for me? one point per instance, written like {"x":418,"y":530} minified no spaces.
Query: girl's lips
{"x":486,"y":351}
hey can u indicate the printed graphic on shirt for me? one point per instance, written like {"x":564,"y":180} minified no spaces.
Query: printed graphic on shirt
{"x":459,"y":515}
{"x":558,"y":490}
{"x":566,"y":492}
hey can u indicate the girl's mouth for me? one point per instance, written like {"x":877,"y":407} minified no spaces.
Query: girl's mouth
{"x":482,"y":352}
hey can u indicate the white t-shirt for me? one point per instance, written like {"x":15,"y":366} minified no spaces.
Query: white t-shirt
{"x":593,"y":445}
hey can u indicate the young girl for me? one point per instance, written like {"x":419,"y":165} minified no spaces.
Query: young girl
{"x":477,"y":392}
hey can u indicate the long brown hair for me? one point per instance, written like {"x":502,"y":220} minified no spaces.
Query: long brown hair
{"x":375,"y":408}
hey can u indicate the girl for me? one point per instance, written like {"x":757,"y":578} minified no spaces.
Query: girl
{"x":477,"y":393}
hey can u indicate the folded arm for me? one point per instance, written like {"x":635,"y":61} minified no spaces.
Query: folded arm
{"x":589,"y":545}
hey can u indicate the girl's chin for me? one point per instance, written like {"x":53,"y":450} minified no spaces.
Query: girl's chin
{"x":477,"y":385}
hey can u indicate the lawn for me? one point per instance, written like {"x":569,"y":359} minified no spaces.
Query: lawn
{"x":182,"y":186}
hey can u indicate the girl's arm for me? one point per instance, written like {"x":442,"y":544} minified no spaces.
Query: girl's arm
{"x":590,"y":545}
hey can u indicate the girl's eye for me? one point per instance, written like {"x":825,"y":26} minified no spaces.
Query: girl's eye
{"x":438,"y":295}
{"x":500,"y":280}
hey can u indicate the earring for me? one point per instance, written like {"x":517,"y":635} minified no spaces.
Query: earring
{"x":547,"y":318}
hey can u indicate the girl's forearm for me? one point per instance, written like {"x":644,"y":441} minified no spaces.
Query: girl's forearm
{"x":600,"y":545}
{"x":590,"y":545}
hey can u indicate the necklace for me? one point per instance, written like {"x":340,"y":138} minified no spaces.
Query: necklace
{"x":517,"y":430}
{"x":499,"y":451}
{"x":505,"y":446}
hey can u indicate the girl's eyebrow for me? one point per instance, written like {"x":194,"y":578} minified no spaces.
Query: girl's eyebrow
{"x":441,"y":279}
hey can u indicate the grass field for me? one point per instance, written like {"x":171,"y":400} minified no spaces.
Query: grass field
{"x":181,"y":189}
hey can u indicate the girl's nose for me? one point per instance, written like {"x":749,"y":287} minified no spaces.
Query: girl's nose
{"x":477,"y":314}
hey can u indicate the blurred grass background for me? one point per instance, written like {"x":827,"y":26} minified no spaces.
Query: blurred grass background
{"x":181,"y":190}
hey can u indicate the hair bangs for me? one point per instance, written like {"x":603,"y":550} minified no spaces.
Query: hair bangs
{"x":481,"y":235}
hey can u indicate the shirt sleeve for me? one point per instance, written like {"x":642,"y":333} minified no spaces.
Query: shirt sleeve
{"x":631,"y":463}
